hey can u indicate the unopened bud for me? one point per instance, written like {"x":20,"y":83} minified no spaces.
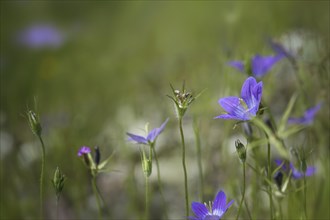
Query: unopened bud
{"x":97,"y":156}
{"x":34,"y":122}
{"x":241,"y":150}
{"x":278,"y":179}
{"x":146,"y":165}
{"x":58,"y":181}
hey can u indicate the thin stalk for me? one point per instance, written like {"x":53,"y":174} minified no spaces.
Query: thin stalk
{"x":269,"y":174}
{"x":247,"y":210}
{"x":243,"y":193}
{"x":42,"y":175}
{"x":57,"y":201}
{"x":147,"y":199}
{"x":184,"y":167}
{"x":199,"y":161}
{"x":96,"y":193}
{"x":160,"y":182}
{"x":305,"y":197}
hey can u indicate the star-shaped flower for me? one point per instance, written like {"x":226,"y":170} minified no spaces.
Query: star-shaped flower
{"x":247,"y":106}
{"x":296,"y":174}
{"x":150,"y":138}
{"x":308,"y":116}
{"x":213,"y":211}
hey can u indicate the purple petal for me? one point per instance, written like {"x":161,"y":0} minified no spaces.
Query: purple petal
{"x":310,"y":113}
{"x":137,"y":138}
{"x":219,"y":204}
{"x":262,"y":64}
{"x":233,"y":106}
{"x":83,"y":150}
{"x":310,"y":171}
{"x":300,"y":120}
{"x":229,"y":204}
{"x":228,"y":117}
{"x":237,"y":64}
{"x":156,"y":131}
{"x":280,"y":50}
{"x":251,"y":94}
{"x":279,"y":163}
{"x":229,"y":103}
{"x":199,"y":210}
{"x":308,"y":116}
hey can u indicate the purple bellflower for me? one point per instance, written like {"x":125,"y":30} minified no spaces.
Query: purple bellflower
{"x":83,"y":150}
{"x":41,"y":36}
{"x":151,"y":137}
{"x":260,"y":65}
{"x":308,"y":117}
{"x":247,"y":106}
{"x":296,"y":174}
{"x":213,"y":211}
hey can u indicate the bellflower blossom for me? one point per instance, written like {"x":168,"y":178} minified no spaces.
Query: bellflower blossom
{"x":308,"y":117}
{"x":41,"y":36}
{"x":296,"y":174}
{"x":247,"y":106}
{"x":213,"y":211}
{"x":260,"y":65}
{"x":151,"y":137}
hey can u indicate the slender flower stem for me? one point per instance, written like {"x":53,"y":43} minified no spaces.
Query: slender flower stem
{"x":159,"y":181}
{"x":42,"y":175}
{"x":243,"y":193}
{"x":96,"y":193}
{"x":147,"y":199}
{"x":305,"y":197}
{"x":199,"y":161}
{"x":57,"y":201}
{"x":269,"y":174}
{"x":184,"y":166}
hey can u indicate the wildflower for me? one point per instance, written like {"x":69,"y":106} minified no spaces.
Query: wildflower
{"x":308,"y":117}
{"x":214,"y":211}
{"x":246,"y":107}
{"x":151,"y":137}
{"x":260,"y":65}
{"x":41,"y":36}
{"x":83,"y":150}
{"x":297,"y":174}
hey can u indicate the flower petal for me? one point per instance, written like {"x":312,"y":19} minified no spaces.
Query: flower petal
{"x":237,"y":64}
{"x":262,"y":64}
{"x":199,"y":210}
{"x":156,"y":131}
{"x":247,"y":92}
{"x":229,"y":204}
{"x":310,"y":171}
{"x":219,"y":204}
{"x":137,"y":138}
{"x":310,"y":113}
{"x":227,"y":117}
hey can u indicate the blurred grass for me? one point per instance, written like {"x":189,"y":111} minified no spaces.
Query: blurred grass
{"x":111,"y":75}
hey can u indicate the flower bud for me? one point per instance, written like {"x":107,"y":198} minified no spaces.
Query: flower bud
{"x":146,"y":165}
{"x":97,"y":156}
{"x":241,"y":150}
{"x":278,"y":179}
{"x":34,"y":122}
{"x":58,"y":181}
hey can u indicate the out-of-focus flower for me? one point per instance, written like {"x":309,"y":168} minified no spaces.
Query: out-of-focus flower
{"x":247,"y":106}
{"x":214,"y":211}
{"x":41,"y":36}
{"x":308,"y":116}
{"x":260,"y":65}
{"x":151,"y":137}
{"x":296,"y":174}
{"x":83,"y":150}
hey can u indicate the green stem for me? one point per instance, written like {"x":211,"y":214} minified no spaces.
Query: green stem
{"x":96,"y":193}
{"x":147,"y":199}
{"x":199,"y":161}
{"x":243,"y":193}
{"x":184,"y":166}
{"x":305,"y":197}
{"x":42,"y":176}
{"x":269,"y":174}
{"x":57,"y":200}
{"x":159,"y":181}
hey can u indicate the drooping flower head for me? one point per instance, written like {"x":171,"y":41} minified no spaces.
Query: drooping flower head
{"x":296,"y":173}
{"x":214,"y":211}
{"x":259,"y":65}
{"x":41,"y":36}
{"x":247,"y":106}
{"x":150,"y":138}
{"x":308,"y":116}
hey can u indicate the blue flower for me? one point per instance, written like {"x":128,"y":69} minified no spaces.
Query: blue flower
{"x":308,"y":117}
{"x":41,"y":36}
{"x":214,"y":211}
{"x":247,"y":106}
{"x":260,"y":65}
{"x":151,"y":137}
{"x":296,"y":174}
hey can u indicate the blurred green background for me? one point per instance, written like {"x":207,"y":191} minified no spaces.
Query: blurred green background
{"x":111,"y":73}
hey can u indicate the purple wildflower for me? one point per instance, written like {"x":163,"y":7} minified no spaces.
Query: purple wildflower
{"x":296,"y":174}
{"x":308,"y":117}
{"x":247,"y":106}
{"x":41,"y":36}
{"x":151,"y":137}
{"x":214,"y":211}
{"x":260,"y":65}
{"x":83,"y":150}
